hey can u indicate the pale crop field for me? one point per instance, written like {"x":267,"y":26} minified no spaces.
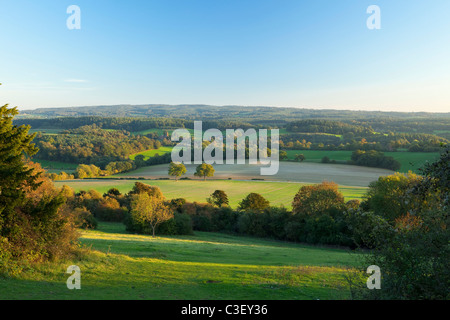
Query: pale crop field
{"x":341,"y":174}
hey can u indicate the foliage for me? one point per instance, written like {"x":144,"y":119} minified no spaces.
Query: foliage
{"x":253,"y":202}
{"x":109,"y":209}
{"x":412,"y":250}
{"x":300,"y":157}
{"x":33,"y":228}
{"x":152,"y":191}
{"x":436,"y":179}
{"x":374,"y":159}
{"x":204,"y":170}
{"x":87,"y":171}
{"x":176,"y":170}
{"x":318,"y":199}
{"x":91,"y":145}
{"x":392,"y":196}
{"x":413,"y":257}
{"x":218,"y":198}
{"x":147,"y":212}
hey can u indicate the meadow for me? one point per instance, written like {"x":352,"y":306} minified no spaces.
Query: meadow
{"x":151,"y":153}
{"x":410,"y":161}
{"x":278,"y":193}
{"x":56,"y":166}
{"x":119,"y":265}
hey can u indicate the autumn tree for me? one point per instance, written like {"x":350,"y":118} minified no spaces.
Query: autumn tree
{"x":176,"y":170}
{"x":148,"y":210}
{"x":318,"y":199}
{"x":152,"y":191}
{"x":204,"y":170}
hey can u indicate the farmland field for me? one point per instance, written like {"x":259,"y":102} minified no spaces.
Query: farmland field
{"x":197,"y":267}
{"x":56,"y":166}
{"x":288,"y":172}
{"x":278,"y":193}
{"x":151,"y":153}
{"x":408,"y":160}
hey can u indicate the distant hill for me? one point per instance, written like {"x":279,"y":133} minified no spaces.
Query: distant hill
{"x":207,"y":112}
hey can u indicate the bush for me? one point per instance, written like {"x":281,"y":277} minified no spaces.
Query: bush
{"x":183,"y":224}
{"x":224,"y":219}
{"x":201,"y":215}
{"x":109,"y":209}
{"x":326,"y":160}
{"x":413,"y":259}
{"x":269,"y":223}
{"x":84,"y":219}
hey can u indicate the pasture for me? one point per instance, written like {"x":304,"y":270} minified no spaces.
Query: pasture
{"x":151,"y":153}
{"x":56,"y":166}
{"x":410,"y":161}
{"x":202,"y":266}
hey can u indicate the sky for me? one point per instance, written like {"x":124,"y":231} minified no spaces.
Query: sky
{"x":288,"y":53}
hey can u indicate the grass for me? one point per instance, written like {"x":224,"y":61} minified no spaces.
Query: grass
{"x":201,"y":266}
{"x":410,"y":161}
{"x":151,"y":153}
{"x":57,"y":166}
{"x":46,"y":131}
{"x":278,"y":193}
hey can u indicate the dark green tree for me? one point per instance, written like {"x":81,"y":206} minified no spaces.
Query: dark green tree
{"x":15,"y":145}
{"x":219,"y":198}
{"x":254,"y":202}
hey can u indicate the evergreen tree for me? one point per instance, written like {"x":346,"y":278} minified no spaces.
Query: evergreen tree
{"x":15,"y":176}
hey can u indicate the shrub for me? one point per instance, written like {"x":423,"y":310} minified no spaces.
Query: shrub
{"x":326,"y":160}
{"x":201,"y":215}
{"x":224,"y":219}
{"x":413,"y":259}
{"x":109,"y":209}
{"x":84,"y":219}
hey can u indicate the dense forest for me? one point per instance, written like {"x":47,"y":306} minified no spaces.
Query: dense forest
{"x":92,"y":145}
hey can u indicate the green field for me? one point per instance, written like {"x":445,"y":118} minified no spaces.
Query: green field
{"x":278,"y":193}
{"x":46,"y":131}
{"x":151,"y":153}
{"x":202,"y":266}
{"x":409,"y":160}
{"x":160,"y":132}
{"x":56,"y":166}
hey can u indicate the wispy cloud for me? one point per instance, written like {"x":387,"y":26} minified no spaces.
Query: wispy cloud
{"x":75,"y":80}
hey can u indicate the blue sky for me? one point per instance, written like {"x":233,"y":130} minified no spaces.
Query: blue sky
{"x":291,"y":53}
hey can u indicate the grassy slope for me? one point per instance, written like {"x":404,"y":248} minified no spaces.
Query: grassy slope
{"x":278,"y":193}
{"x":202,"y":266}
